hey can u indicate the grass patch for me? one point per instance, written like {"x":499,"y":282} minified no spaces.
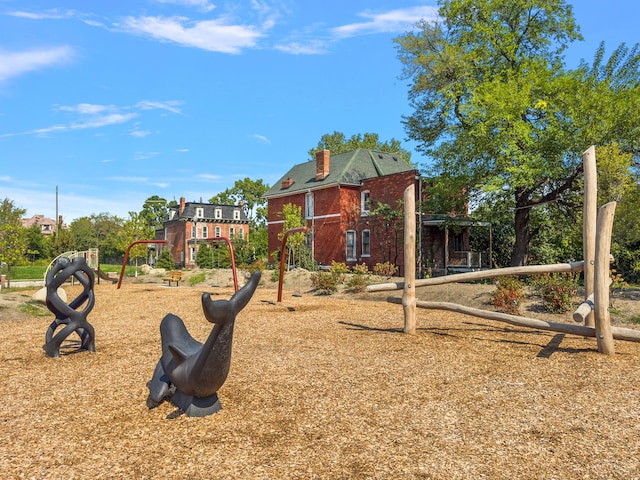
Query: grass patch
{"x":635,"y":319}
{"x":34,"y":308}
{"x":197,"y":278}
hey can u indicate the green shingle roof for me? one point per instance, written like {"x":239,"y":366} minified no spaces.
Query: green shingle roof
{"x":348,"y":168}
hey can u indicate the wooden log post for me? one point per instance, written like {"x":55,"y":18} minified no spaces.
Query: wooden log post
{"x":409,"y":290}
{"x":601,"y":275}
{"x":589,"y":215}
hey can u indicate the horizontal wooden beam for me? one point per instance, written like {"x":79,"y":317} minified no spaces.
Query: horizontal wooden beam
{"x":619,"y":333}
{"x":482,"y":274}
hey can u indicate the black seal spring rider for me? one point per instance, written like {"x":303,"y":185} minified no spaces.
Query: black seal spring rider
{"x":190,"y":373}
{"x":74,"y":320}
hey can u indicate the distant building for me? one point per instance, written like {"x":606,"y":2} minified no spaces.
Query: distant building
{"x":192,"y":223}
{"x":47,"y":225}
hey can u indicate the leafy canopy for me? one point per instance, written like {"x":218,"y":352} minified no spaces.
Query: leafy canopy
{"x":337,"y":142}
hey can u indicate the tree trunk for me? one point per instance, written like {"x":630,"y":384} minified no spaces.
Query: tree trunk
{"x":520,"y":253}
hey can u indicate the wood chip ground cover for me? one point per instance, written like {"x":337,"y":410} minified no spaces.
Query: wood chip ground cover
{"x":319,"y":388}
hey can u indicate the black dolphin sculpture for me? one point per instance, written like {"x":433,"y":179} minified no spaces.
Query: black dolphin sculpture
{"x":190,"y":373}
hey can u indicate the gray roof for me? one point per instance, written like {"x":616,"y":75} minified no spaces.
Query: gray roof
{"x":348,"y":168}
{"x":209,"y":212}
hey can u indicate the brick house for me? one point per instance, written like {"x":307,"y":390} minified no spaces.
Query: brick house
{"x":336,"y":193}
{"x":191,"y":223}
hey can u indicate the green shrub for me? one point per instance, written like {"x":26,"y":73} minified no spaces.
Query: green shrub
{"x":165,"y":260}
{"x":197,"y":278}
{"x":325,"y":283}
{"x":508,"y":295}
{"x":360,"y":269}
{"x":386,"y":269}
{"x":257,"y":266}
{"x":339,"y":268}
{"x":358,"y":282}
{"x":557,"y":291}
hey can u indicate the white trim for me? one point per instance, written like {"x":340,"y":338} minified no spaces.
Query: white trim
{"x":331,"y":215}
{"x":290,"y":193}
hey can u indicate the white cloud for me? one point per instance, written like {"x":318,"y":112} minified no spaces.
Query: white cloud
{"x":202,"y":5}
{"x":262,"y":138}
{"x":394,"y":21}
{"x":53,"y":14}
{"x":210,"y":177}
{"x":13,"y":64}
{"x":140,"y":133}
{"x":171,"y":106}
{"x":91,"y":115}
{"x":314,"y":47}
{"x":211,"y":35}
{"x":130,"y":179}
{"x":145,"y":155}
{"x":87,"y":108}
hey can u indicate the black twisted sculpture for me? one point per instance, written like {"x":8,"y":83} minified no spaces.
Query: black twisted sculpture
{"x":189,"y":373}
{"x":73,"y":319}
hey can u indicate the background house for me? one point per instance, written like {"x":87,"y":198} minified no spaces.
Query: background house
{"x":47,"y":225}
{"x":192,"y":223}
{"x":337,"y":194}
{"x":352,"y":206}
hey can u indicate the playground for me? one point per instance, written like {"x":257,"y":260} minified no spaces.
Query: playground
{"x":320,"y":387}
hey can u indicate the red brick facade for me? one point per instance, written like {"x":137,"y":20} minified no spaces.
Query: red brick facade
{"x":210,"y":221}
{"x":337,"y":210}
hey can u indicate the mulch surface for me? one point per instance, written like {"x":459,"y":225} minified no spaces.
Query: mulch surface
{"x":319,"y":388}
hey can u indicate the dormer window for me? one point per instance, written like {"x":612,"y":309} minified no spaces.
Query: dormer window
{"x":236,"y":214}
{"x":199,"y":212}
{"x":218,"y":213}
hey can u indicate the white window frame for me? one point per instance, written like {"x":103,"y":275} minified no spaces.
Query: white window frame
{"x":309,"y":205}
{"x":232,"y":232}
{"x":218,"y":231}
{"x":365,"y":203}
{"x":205,"y":231}
{"x":367,"y":243}
{"x":217,"y":213}
{"x":194,"y":231}
{"x":352,"y":234}
{"x":241,"y":233}
{"x":199,"y":212}
{"x":192,"y":254}
{"x":236,"y":214}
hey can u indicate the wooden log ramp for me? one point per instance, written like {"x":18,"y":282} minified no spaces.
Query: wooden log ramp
{"x":618,"y":333}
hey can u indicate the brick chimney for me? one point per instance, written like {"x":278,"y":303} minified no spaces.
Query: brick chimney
{"x":322,"y":164}
{"x":181,"y":206}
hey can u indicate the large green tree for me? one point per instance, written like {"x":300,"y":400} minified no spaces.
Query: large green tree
{"x":250,"y":193}
{"x":98,"y":231}
{"x":154,"y":211}
{"x":13,"y":238}
{"x":337,"y":142}
{"x":498,"y":112}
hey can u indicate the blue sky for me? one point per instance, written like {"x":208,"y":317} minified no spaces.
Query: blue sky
{"x":116,"y":101}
